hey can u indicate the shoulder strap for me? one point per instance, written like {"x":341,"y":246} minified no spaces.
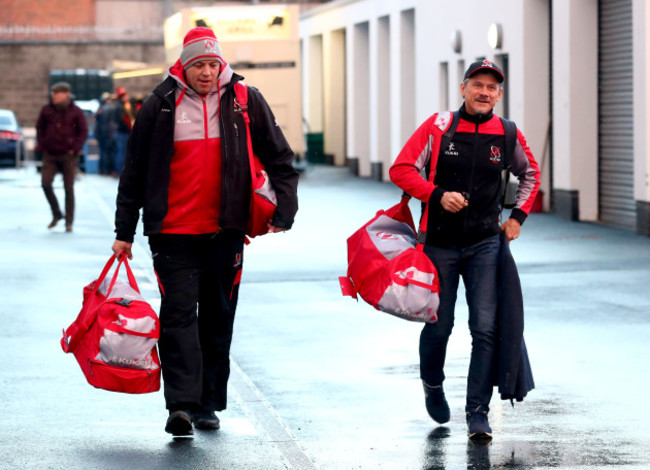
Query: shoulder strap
{"x":241,"y":96}
{"x":510,"y":131}
{"x":509,"y":144}
{"x":241,"y":105}
{"x":447,"y":137}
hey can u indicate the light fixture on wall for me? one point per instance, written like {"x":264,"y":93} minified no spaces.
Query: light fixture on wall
{"x":456,"y":40}
{"x":495,"y":36}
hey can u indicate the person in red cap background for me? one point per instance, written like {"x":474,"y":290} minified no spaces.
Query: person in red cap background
{"x":464,"y":155}
{"x":123,"y":119}
{"x":187,"y":167}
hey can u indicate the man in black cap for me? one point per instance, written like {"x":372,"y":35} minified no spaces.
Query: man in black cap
{"x":464,"y":154}
{"x":61,"y":131}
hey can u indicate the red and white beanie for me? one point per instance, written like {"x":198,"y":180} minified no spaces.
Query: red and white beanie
{"x":200,"y":44}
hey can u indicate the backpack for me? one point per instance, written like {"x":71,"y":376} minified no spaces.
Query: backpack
{"x":388,"y":270}
{"x":263,"y":200}
{"x":115,"y":334}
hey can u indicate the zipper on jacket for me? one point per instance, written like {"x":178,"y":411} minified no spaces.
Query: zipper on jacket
{"x":471,"y":178}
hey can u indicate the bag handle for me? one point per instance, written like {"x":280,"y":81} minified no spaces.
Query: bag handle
{"x":403,"y":281}
{"x":75,"y":331}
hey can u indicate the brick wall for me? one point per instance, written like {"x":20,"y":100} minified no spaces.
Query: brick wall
{"x":47,"y":12}
{"x":24,"y":79}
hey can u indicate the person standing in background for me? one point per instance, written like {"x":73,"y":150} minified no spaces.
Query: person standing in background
{"x":61,"y":131}
{"x":104,"y":133}
{"x":124,"y":117}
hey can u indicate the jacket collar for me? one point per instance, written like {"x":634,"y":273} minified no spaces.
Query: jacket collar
{"x":475,"y":118}
{"x":166,"y":89}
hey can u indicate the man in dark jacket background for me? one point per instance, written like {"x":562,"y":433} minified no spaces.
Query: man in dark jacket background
{"x":61,"y":131}
{"x":187,"y":167}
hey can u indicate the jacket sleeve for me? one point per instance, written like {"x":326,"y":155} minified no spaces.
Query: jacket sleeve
{"x":81,"y":130}
{"x":525,"y":168}
{"x":406,"y":171}
{"x":273,"y":150}
{"x":131,"y":189}
{"x":41,"y":122}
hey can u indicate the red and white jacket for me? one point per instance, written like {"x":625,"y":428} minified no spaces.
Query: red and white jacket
{"x":195,"y":178}
{"x":471,"y":165}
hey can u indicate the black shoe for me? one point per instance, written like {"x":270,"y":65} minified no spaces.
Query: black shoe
{"x":477,"y":423}
{"x":179,"y":423}
{"x":55,"y":220}
{"x":436,"y":403}
{"x":205,"y":420}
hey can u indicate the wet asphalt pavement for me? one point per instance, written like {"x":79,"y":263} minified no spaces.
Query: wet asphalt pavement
{"x":320,"y":381}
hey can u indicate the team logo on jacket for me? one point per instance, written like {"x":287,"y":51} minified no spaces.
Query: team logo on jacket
{"x":183,"y":119}
{"x":451,"y":151}
{"x":495,"y":154}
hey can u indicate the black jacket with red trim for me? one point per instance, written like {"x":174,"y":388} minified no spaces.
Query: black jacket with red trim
{"x":471,"y":164}
{"x":144,"y":183}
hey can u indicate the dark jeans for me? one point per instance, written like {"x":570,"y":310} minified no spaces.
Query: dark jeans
{"x":477,"y":265}
{"x":106,"y":155}
{"x":66,"y":164}
{"x":193,"y":270}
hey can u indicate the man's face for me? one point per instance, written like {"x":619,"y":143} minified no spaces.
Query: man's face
{"x":482,"y":92}
{"x":60,"y":97}
{"x":202,"y":75}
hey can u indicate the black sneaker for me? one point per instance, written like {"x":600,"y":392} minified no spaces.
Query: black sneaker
{"x":205,"y":420}
{"x":436,"y":403}
{"x":477,"y":423}
{"x":179,"y":423}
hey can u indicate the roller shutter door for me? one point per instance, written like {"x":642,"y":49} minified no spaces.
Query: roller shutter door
{"x":615,"y":130}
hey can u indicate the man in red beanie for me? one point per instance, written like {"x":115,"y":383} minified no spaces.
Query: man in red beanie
{"x":187,"y":167}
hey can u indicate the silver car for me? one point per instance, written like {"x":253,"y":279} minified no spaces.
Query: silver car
{"x":12,"y":148}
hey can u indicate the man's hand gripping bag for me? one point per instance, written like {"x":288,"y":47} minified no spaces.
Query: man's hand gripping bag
{"x":388,"y":270}
{"x":115,"y":334}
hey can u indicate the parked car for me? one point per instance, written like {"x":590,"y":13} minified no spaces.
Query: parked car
{"x":12,"y":147}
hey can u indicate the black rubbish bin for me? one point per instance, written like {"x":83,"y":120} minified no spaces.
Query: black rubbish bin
{"x":315,"y":153}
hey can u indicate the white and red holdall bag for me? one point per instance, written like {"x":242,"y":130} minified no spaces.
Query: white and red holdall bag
{"x":114,"y":336}
{"x":389,"y":270}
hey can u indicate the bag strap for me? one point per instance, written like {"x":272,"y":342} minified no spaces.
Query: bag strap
{"x":445,"y":140}
{"x":241,"y":106}
{"x":76,"y":331}
{"x":510,"y":142}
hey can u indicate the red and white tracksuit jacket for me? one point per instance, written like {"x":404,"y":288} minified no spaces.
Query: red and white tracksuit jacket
{"x":471,"y":165}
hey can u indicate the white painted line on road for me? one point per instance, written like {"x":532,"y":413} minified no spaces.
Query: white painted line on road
{"x":262,"y":413}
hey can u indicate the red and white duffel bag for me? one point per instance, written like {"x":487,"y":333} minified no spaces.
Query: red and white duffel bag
{"x":389,"y":270}
{"x":115,"y":334}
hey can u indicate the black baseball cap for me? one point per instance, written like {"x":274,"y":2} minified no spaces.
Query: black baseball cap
{"x":485,"y":66}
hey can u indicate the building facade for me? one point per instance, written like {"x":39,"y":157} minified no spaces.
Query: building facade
{"x":576,"y":85}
